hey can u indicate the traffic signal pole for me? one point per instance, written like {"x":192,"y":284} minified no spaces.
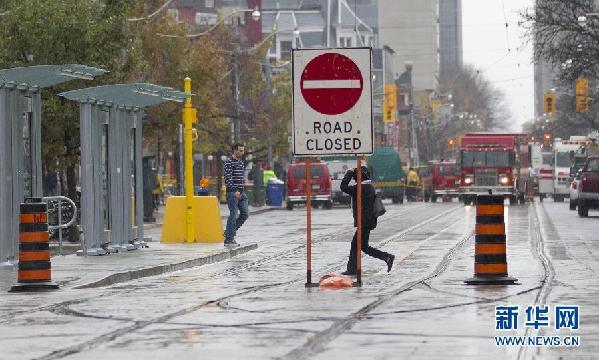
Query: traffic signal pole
{"x":189,"y":117}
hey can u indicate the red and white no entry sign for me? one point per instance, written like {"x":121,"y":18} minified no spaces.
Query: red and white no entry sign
{"x":331,"y":84}
{"x":332,"y":102}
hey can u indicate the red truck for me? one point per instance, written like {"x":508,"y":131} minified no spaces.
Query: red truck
{"x":446,"y":179}
{"x":588,"y":189}
{"x":494,"y":161}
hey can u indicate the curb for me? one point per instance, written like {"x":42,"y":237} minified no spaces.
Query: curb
{"x":167,"y":268}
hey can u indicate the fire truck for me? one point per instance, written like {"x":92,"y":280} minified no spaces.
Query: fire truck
{"x":542,"y":166}
{"x":563,"y":154}
{"x":496,"y":162}
{"x":446,"y":180}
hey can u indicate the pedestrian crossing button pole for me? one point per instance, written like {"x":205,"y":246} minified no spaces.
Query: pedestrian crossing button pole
{"x":191,"y":219}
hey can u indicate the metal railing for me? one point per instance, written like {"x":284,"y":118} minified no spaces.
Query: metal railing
{"x":60,"y":226}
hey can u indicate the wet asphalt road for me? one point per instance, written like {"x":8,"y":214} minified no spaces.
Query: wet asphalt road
{"x":255,"y":306}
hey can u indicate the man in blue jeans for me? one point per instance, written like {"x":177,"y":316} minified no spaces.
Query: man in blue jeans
{"x":237,"y":200}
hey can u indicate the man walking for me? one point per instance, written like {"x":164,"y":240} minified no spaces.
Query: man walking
{"x":368,"y":219}
{"x":237,"y":200}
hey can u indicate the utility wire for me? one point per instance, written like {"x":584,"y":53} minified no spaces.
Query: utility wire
{"x":507,"y":33}
{"x":160,"y":9}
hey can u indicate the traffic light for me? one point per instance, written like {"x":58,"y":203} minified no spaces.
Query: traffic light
{"x":532,"y":138}
{"x":582,"y":95}
{"x":450,"y":143}
{"x":549,"y":103}
{"x":547,"y":138}
{"x":390,"y":104}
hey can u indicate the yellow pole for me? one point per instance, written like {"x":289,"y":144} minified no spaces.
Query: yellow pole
{"x":188,"y":119}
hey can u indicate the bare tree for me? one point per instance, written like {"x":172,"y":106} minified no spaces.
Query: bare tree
{"x":559,"y":38}
{"x":477,"y":106}
{"x":565,"y":34}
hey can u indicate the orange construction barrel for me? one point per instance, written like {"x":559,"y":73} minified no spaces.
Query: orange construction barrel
{"x":490,"y":260}
{"x":34,"y":269}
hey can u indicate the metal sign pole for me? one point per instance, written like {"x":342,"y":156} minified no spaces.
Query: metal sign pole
{"x":308,"y":224}
{"x":359,"y":215}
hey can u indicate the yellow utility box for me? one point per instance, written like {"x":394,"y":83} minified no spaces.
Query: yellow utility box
{"x":208,"y":227}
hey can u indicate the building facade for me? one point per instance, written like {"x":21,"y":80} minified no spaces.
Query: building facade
{"x":411,"y":29}
{"x":450,"y":36}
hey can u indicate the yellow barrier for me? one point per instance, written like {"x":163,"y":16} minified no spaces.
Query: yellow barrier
{"x":208,"y":227}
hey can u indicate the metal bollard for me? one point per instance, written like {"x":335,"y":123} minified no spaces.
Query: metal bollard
{"x":490,"y":261}
{"x":34,"y":270}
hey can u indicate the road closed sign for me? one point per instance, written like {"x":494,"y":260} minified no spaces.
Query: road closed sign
{"x":332,"y":102}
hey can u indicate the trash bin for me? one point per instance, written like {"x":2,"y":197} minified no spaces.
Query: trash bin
{"x":274,"y":193}
{"x":249,"y":192}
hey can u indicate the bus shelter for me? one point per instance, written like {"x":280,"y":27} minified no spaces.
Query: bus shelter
{"x":111,"y":162}
{"x":20,"y":141}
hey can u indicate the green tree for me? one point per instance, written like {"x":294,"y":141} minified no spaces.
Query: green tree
{"x":63,"y":32}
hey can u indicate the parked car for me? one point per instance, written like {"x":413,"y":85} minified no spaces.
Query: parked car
{"x":574,"y":185}
{"x":338,"y":166}
{"x":321,"y":185}
{"x":588,"y":191}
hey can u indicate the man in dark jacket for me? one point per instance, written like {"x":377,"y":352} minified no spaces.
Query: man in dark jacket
{"x":368,"y":219}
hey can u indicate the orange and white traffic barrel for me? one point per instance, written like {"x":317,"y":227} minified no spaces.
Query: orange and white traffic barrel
{"x":34,"y":269}
{"x":490,"y":258}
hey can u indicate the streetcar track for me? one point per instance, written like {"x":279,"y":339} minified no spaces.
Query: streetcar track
{"x":107,"y":337}
{"x":537,"y":236}
{"x":316,"y":344}
{"x":345,"y":231}
{"x":138,"y":325}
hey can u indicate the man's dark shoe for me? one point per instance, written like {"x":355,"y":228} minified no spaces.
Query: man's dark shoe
{"x":389,"y":262}
{"x":349,"y":273}
{"x":231,"y":243}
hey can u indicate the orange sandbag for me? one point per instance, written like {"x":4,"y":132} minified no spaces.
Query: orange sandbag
{"x":332,"y":281}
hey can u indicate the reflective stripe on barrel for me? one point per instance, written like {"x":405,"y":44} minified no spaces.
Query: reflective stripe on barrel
{"x":490,"y":269}
{"x":482,"y":248}
{"x":34,"y":237}
{"x":33,"y":218}
{"x":489,"y":210}
{"x":34,"y":249}
{"x":490,"y":229}
{"x":34,"y":276}
{"x":34,"y":255}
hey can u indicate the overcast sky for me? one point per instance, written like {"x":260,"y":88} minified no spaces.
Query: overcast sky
{"x":486,"y":43}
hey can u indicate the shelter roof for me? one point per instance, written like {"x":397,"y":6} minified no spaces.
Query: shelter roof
{"x":41,"y":76}
{"x":138,"y":95}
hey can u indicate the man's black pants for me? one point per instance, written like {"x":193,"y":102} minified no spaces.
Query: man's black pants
{"x":366,"y":248}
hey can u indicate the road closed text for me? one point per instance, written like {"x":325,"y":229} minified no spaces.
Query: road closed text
{"x":334,"y":144}
{"x":340,"y":137}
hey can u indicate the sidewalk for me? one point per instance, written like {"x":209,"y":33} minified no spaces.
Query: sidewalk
{"x":224,"y":213}
{"x":71,"y":271}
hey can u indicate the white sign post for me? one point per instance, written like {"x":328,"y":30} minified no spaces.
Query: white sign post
{"x":332,"y":102}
